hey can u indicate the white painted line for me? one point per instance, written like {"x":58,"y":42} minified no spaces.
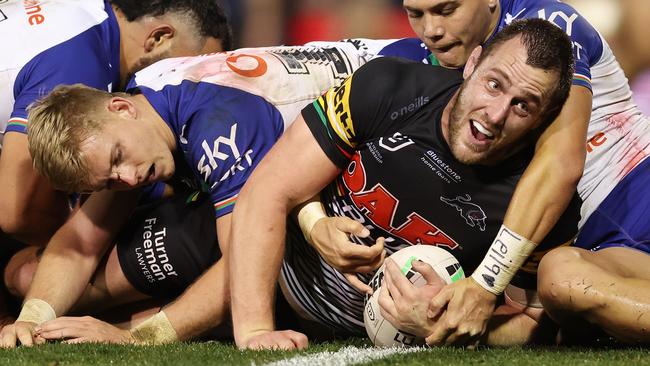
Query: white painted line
{"x":345,"y":356}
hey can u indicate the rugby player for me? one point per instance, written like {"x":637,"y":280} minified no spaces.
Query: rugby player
{"x":199,"y":122}
{"x":95,"y":42}
{"x":399,"y":147}
{"x":600,"y":120}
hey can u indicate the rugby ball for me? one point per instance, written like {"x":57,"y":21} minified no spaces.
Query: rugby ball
{"x":380,"y":331}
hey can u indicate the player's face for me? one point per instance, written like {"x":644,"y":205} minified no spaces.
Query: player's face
{"x":126,"y":154}
{"x":498,"y":107}
{"x":451,"y":29}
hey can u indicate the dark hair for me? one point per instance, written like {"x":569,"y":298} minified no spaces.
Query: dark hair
{"x":548,"y":48}
{"x":210,"y":19}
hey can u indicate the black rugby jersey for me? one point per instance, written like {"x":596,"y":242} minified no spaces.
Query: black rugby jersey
{"x":383,"y":128}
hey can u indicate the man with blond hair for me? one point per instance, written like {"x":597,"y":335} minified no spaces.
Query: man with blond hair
{"x":198,"y":123}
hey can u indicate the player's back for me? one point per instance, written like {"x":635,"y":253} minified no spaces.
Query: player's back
{"x":29,"y":29}
{"x":287,"y":77}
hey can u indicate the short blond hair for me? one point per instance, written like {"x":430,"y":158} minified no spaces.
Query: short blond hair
{"x":58,"y":124}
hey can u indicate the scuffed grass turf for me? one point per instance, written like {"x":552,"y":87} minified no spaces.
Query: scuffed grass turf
{"x":213,"y":353}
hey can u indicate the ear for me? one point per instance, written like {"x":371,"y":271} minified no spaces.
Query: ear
{"x":474,"y":57}
{"x":123,"y":107}
{"x":159,"y":37}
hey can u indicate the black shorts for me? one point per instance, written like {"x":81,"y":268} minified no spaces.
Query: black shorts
{"x":168,"y":244}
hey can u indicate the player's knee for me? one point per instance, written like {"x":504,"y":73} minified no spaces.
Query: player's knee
{"x":556,"y":277}
{"x":19,"y":272}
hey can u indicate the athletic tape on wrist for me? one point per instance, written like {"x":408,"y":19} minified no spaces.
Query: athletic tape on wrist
{"x":308,"y":215}
{"x":36,"y":311}
{"x":155,"y":330}
{"x":507,"y":253}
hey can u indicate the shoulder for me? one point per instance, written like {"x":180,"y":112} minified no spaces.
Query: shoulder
{"x":391,"y":73}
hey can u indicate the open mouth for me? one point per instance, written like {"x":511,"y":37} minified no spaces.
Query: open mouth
{"x":479,"y":132}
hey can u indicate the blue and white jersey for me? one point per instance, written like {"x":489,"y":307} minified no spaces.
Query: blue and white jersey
{"x":53,"y":42}
{"x":619,"y":134}
{"x":227,"y":109}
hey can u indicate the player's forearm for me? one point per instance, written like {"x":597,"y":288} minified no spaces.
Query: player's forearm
{"x":203,"y":306}
{"x":63,"y":273}
{"x":256,"y":256}
{"x":511,"y":327}
{"x":543,"y":193}
{"x":546,"y":188}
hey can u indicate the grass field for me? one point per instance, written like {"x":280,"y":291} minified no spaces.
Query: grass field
{"x":355,"y":352}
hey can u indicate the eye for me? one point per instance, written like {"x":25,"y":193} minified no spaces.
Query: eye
{"x":521,"y":108}
{"x":413,"y":13}
{"x":493,"y":84}
{"x":448,"y":10}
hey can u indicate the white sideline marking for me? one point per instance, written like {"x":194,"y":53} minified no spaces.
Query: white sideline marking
{"x":345,"y":356}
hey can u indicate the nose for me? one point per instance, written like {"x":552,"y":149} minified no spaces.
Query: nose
{"x":128,"y":176}
{"x":497,"y":110}
{"x":433,"y":29}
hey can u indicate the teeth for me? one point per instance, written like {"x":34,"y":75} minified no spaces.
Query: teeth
{"x":482,"y":129}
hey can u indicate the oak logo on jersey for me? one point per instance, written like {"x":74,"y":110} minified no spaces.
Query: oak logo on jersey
{"x":223,"y":148}
{"x":471,"y":212}
{"x":337,"y":102}
{"x":380,"y":206}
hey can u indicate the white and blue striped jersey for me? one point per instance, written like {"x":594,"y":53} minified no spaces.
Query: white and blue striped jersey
{"x":618,"y":135}
{"x":227,"y":109}
{"x":53,"y":42}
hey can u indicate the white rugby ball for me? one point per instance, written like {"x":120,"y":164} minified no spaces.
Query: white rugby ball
{"x":381,"y":332}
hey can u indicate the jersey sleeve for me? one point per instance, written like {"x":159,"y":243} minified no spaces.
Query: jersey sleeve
{"x":225,"y":143}
{"x":82,"y":62}
{"x":367,"y":105}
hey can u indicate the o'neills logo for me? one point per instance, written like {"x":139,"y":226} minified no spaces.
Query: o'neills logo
{"x":34,"y":12}
{"x":152,"y":255}
{"x":417,"y":103}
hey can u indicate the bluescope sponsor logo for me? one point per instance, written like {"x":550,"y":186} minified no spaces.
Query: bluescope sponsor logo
{"x":338,"y":111}
{"x":152,"y":252}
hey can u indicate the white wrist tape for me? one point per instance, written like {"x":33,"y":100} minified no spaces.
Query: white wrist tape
{"x":507,"y":253}
{"x":36,"y":311}
{"x":308,"y":215}
{"x":155,"y":330}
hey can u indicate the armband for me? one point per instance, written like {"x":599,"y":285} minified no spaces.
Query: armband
{"x":308,"y":215}
{"x":155,"y":330}
{"x":36,"y":311}
{"x":507,"y":253}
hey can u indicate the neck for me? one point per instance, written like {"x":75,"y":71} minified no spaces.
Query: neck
{"x":446,"y":113}
{"x":158,"y":124}
{"x":494,"y":22}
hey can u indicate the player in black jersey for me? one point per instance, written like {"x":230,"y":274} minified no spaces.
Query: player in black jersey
{"x":402,"y":148}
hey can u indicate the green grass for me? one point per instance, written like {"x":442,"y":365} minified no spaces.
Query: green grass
{"x":213,"y":353}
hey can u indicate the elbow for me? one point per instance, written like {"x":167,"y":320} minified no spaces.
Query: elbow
{"x":13,"y":220}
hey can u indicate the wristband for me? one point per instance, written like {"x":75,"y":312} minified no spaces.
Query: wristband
{"x":308,"y":215}
{"x":36,"y":311}
{"x":507,"y":253}
{"x":155,"y":330}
